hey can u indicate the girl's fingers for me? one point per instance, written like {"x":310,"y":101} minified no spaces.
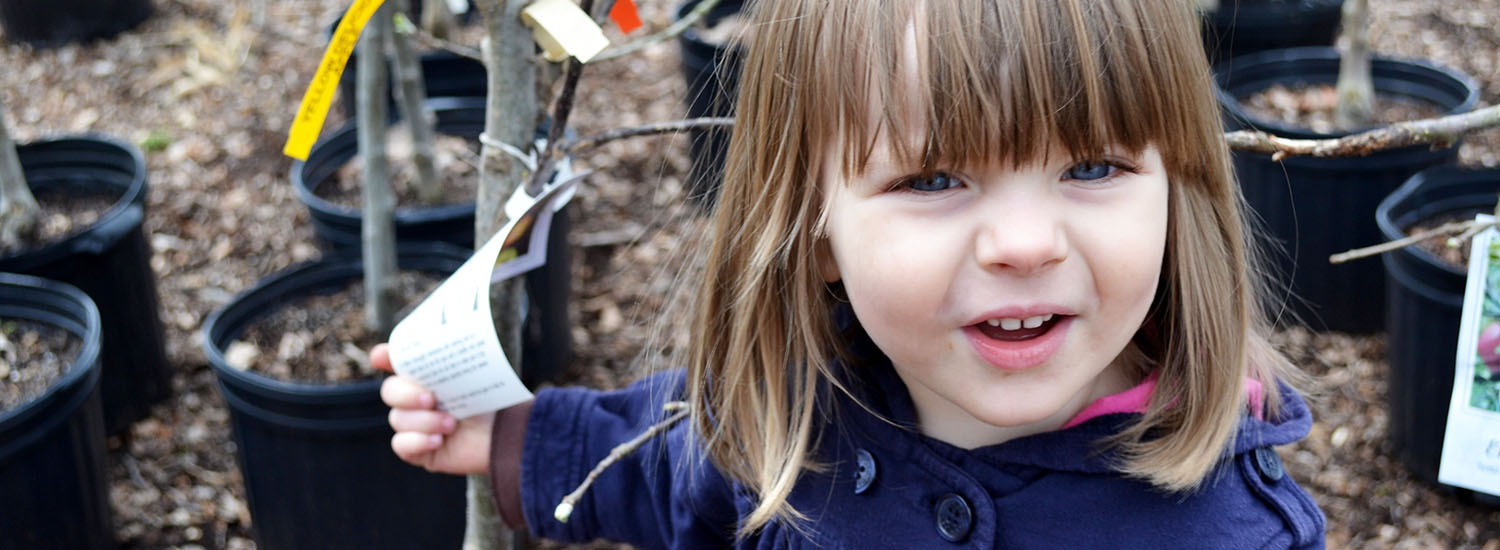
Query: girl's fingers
{"x":400,"y":392}
{"x":380,"y":357}
{"x":415,"y":447}
{"x":425,"y":421}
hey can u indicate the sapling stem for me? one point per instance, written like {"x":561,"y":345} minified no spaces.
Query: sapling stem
{"x":378,"y":224}
{"x":18,"y":207}
{"x":411,"y":96}
{"x":1355,"y":89}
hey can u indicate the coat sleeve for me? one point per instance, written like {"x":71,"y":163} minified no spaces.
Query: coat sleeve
{"x":664,"y":495}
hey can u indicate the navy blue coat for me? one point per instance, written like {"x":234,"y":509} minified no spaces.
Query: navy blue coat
{"x":891,"y":487}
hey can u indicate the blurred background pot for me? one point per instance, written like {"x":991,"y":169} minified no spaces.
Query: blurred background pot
{"x":109,"y":260}
{"x":711,"y":67}
{"x":316,"y":458}
{"x":57,"y":22}
{"x":52,"y":448}
{"x":1316,"y":207}
{"x":1243,"y":27}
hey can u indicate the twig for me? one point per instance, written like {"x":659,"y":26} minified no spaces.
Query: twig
{"x":589,"y":142}
{"x":547,"y":163}
{"x":1445,"y":229}
{"x":430,"y":41}
{"x":1440,"y":132}
{"x":676,"y":28}
{"x":564,"y":509}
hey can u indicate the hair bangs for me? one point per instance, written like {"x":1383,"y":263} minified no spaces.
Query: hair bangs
{"x":1023,"y":82}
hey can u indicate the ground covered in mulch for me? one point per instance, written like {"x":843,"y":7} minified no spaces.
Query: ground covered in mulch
{"x":210,"y":88}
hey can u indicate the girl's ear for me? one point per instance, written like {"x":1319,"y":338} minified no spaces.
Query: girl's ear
{"x":828,"y":267}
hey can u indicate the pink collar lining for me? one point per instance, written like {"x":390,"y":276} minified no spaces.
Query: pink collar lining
{"x":1135,"y":400}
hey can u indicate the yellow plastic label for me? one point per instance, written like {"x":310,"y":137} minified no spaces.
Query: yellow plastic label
{"x":562,"y":29}
{"x":319,"y":94}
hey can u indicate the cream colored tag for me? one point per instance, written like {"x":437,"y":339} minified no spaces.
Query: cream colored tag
{"x":563,"y":29}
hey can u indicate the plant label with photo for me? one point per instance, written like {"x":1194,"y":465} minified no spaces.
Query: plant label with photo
{"x":1471,"y":444}
{"x":449,"y":343}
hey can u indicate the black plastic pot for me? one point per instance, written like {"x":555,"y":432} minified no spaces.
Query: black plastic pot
{"x":1318,"y":207}
{"x":316,"y":458}
{"x":1243,"y":27}
{"x":1425,"y":302}
{"x":547,"y":335}
{"x":136,"y":373}
{"x":712,"y":72}
{"x":52,"y":448}
{"x":56,"y":22}
{"x":445,"y":74}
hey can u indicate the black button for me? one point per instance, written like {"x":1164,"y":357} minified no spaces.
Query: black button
{"x":864,"y":476}
{"x":1269,"y":464}
{"x":954,"y":518}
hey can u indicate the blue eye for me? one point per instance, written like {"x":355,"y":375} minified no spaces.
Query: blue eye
{"x":937,"y":181}
{"x":1087,"y":171}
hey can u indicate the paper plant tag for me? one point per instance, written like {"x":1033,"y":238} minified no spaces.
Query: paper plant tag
{"x":319,"y":93}
{"x":562,"y":29}
{"x":1471,"y":445}
{"x":458,"y":7}
{"x":448,"y":343}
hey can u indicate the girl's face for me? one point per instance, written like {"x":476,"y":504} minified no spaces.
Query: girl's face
{"x":1003,"y":297}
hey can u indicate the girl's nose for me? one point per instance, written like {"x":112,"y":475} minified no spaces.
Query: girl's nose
{"x":1021,"y":243}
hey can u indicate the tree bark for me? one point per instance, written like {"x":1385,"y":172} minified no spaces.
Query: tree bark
{"x":511,"y":114}
{"x":411,"y":95}
{"x":379,"y":239}
{"x":18,"y":208}
{"x":1355,"y":88}
{"x":437,"y":19}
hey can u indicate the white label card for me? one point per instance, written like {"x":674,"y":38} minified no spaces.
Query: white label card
{"x":448,"y":342}
{"x":1471,"y":444}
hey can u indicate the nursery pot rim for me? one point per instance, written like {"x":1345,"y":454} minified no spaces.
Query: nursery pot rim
{"x":88,"y":353}
{"x":216,"y":331}
{"x":406,"y":213}
{"x":134,"y":195}
{"x":1269,"y":12}
{"x":1387,"y":222}
{"x":1325,"y":54}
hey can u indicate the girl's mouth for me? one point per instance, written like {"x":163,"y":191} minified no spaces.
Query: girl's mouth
{"x":1014,"y":330}
{"x":1015,"y":344}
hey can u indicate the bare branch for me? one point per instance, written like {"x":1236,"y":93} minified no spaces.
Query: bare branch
{"x":18,"y":208}
{"x":589,"y":142}
{"x":1438,"y":132}
{"x":565,"y":508}
{"x":429,"y":40}
{"x":672,"y":31}
{"x":1445,"y":229}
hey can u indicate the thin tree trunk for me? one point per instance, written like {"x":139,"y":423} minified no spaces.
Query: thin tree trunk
{"x":378,"y":225}
{"x":1356,"y":91}
{"x":437,"y":19}
{"x":511,"y":113}
{"x":411,"y":95}
{"x":18,"y":208}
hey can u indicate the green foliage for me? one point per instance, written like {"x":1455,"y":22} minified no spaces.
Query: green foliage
{"x":157,"y":141}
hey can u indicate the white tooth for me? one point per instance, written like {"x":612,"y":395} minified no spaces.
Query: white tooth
{"x":994,"y":322}
{"x":1010,"y":324}
{"x":1032,"y":322}
{"x":1047,"y":317}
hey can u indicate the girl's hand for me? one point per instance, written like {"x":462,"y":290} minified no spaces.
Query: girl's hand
{"x":427,"y":437}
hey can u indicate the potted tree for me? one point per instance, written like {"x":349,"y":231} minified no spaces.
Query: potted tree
{"x":317,"y":407}
{"x":51,"y":423}
{"x":1314,"y":207}
{"x":111,"y":175}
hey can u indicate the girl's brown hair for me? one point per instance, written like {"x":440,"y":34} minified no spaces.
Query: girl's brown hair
{"x":999,"y":80}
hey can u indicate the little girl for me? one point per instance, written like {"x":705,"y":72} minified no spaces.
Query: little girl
{"x":979,"y":277}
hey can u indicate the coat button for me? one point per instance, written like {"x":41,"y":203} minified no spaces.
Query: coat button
{"x":864,"y":475}
{"x":1269,"y":464}
{"x":954,"y":518}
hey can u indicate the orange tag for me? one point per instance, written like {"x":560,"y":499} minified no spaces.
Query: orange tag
{"x":625,"y":15}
